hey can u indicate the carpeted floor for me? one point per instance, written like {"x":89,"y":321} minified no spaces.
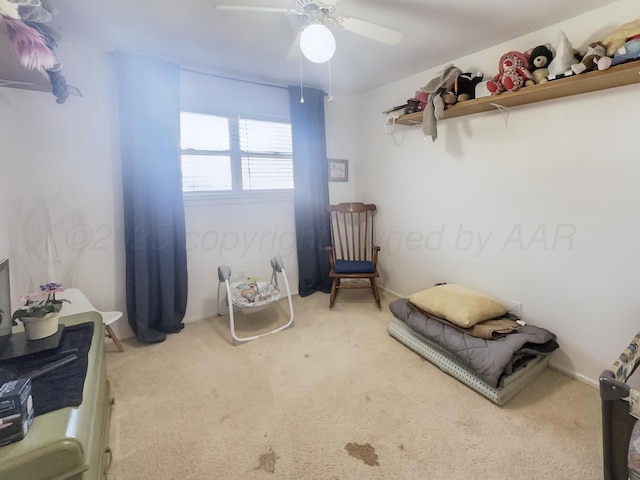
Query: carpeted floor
{"x":333,"y":398}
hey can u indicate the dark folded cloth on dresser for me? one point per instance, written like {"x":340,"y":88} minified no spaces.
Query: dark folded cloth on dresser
{"x":62,"y":386}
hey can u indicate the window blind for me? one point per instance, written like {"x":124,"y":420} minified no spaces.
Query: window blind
{"x":221,"y":154}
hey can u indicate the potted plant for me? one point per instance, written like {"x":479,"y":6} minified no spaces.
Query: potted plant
{"x":40,"y":316}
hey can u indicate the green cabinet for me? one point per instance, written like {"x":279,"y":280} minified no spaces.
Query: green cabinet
{"x":72,"y":442}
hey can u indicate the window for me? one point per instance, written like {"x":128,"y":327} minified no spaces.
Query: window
{"x":234,"y":154}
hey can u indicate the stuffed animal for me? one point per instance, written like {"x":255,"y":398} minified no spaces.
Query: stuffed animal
{"x":560,"y":66}
{"x":595,"y":58}
{"x":620,"y":36}
{"x":512,"y":75}
{"x":627,"y":52}
{"x":539,"y":59}
{"x":449,"y":97}
{"x":464,"y":88}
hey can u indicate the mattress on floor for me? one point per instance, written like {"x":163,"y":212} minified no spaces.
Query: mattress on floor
{"x":490,"y":360}
{"x":509,"y":385}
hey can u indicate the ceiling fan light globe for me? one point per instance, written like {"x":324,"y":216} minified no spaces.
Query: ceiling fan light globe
{"x":317,"y":43}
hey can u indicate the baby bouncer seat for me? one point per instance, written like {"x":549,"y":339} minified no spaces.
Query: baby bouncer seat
{"x":251,"y":296}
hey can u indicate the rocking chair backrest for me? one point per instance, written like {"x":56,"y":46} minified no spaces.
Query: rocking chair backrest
{"x":352,"y":230}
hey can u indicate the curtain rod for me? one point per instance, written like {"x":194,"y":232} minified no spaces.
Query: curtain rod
{"x":273,"y":85}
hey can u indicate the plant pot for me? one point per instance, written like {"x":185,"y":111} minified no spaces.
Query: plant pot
{"x":36,"y":328}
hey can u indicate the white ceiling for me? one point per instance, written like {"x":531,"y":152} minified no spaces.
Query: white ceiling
{"x":258,"y":45}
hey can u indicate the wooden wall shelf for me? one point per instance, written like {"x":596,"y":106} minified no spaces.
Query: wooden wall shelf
{"x":617,"y":76}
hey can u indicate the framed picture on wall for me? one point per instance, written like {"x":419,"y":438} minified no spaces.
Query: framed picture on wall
{"x":338,"y":170}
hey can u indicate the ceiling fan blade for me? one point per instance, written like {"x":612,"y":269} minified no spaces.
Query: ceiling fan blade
{"x":250,"y":8}
{"x":369,"y":30}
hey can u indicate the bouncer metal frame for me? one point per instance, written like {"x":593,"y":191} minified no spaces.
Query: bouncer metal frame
{"x":224,"y":275}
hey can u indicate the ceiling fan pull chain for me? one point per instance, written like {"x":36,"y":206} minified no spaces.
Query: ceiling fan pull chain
{"x":301,"y":87}
{"x":330,"y":87}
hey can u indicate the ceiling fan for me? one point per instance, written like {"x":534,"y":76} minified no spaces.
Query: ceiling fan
{"x":316,"y":39}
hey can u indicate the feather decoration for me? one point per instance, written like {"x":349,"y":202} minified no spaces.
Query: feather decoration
{"x":29,"y":45}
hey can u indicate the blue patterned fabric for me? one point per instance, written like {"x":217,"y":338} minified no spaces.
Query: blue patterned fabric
{"x":354,"y":266}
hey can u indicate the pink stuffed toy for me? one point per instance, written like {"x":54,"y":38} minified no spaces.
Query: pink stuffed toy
{"x":513,"y":74}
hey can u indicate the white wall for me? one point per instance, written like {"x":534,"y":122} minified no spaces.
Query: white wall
{"x":540,"y":209}
{"x":9,"y":173}
{"x":243,"y":237}
{"x":341,"y":119}
{"x":561,"y":173}
{"x":60,"y":163}
{"x":243,"y":234}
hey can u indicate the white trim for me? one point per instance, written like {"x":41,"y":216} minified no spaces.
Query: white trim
{"x":576,"y":376}
{"x":391,"y":292}
{"x":197,"y":199}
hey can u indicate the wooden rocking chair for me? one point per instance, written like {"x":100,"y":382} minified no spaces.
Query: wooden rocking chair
{"x":353,"y":254}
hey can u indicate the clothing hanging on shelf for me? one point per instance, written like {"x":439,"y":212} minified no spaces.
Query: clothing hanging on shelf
{"x":34,"y":43}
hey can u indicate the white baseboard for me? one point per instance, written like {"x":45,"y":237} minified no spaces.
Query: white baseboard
{"x":574,"y":375}
{"x":391,"y":291}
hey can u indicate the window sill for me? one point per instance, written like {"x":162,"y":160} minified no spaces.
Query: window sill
{"x":197,"y":199}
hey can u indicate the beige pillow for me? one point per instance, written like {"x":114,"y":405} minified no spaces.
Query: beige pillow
{"x":460,"y":305}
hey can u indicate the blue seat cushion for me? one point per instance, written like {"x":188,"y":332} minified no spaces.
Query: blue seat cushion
{"x":354,"y":266}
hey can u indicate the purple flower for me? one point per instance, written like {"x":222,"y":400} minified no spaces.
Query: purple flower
{"x":49,"y":288}
{"x":44,"y":306}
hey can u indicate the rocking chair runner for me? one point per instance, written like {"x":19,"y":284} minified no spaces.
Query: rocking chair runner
{"x":353,"y":254}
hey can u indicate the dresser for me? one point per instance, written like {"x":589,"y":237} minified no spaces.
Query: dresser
{"x":71,"y":442}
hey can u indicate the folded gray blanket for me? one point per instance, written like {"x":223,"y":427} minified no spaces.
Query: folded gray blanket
{"x":489,"y":359}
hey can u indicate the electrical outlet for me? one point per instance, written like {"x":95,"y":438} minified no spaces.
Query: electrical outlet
{"x":516,"y":308}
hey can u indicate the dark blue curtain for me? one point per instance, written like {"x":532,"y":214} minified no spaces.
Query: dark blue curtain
{"x":155,"y":240}
{"x":311,"y":194}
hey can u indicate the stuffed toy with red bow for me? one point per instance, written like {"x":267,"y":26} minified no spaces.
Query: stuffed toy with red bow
{"x":514,"y":73}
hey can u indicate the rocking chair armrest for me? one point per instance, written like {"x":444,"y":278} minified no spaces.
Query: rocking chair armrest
{"x":376,"y":249}
{"x":332,"y":255}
